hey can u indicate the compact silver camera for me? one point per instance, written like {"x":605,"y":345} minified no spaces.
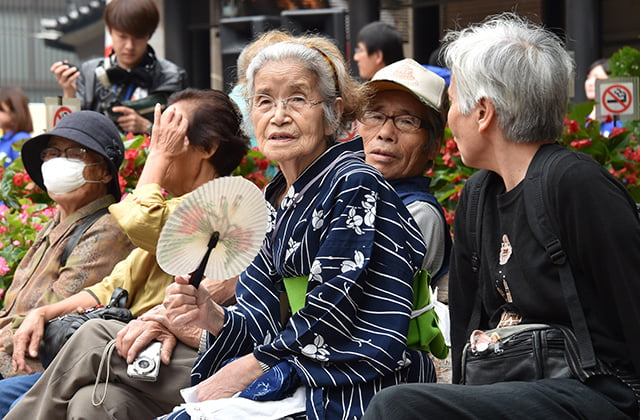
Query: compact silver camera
{"x":146,"y":366}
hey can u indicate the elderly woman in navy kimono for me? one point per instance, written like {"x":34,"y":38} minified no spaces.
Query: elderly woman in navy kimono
{"x":338,"y":231}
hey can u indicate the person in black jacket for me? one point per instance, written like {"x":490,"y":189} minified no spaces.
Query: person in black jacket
{"x":130,"y":72}
{"x":509,"y":93}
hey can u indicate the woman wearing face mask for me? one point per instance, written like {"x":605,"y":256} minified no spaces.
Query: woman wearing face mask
{"x":77,"y":164}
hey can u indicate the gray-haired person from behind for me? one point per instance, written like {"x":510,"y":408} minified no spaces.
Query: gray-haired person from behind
{"x":509,"y":94}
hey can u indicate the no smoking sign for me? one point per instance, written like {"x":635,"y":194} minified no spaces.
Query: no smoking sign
{"x":617,"y":96}
{"x":61,"y":112}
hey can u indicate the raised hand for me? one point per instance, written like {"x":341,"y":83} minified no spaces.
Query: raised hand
{"x":66,"y":76}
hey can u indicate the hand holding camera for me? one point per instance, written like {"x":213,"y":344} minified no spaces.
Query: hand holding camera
{"x":70,"y":65}
{"x":66,"y":74}
{"x":147,"y":365}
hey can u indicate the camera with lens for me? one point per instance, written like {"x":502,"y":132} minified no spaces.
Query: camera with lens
{"x":70,"y":64}
{"x":147,"y":364}
{"x":108,"y":110}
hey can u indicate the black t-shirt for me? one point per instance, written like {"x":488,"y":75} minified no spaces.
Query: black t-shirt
{"x":600,"y":233}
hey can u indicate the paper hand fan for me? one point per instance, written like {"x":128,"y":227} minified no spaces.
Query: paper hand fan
{"x":216,"y":231}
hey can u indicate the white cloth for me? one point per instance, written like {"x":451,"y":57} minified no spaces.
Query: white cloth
{"x":444,"y":322}
{"x":237,"y":407}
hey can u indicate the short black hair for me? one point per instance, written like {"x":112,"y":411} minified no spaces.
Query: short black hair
{"x":134,"y":17}
{"x":604,"y":62}
{"x":380,"y":36}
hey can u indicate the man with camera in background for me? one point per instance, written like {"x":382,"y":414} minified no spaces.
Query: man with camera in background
{"x":116,"y":85}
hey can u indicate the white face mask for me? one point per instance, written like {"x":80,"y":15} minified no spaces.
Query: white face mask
{"x":61,"y":175}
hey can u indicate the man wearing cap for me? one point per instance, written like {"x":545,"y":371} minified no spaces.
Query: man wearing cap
{"x":402,"y":130}
{"x":77,"y":164}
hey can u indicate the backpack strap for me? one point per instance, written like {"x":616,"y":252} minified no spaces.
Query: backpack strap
{"x":535,"y":193}
{"x":80,"y":229}
{"x":476,"y":187}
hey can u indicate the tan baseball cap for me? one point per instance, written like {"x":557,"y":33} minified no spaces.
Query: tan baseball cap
{"x":408,"y":75}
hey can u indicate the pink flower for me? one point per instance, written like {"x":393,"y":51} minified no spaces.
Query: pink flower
{"x":24,"y":217}
{"x":14,"y":243}
{"x":4,"y":269}
{"x":48,"y":212}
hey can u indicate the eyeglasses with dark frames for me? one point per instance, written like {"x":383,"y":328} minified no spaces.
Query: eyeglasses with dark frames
{"x":405,"y":123}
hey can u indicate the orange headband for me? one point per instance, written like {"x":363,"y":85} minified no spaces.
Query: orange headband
{"x":333,"y":67}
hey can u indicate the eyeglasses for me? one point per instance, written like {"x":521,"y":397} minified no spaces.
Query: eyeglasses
{"x":266,"y":103}
{"x":74,"y":153}
{"x":404,"y":123}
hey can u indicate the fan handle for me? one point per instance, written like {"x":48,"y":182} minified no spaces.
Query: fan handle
{"x":197,"y":275}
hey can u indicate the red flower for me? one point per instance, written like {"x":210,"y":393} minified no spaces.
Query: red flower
{"x":631,"y":154}
{"x":448,"y":161}
{"x":449,"y":215}
{"x":580,"y":143}
{"x":18,"y":179}
{"x":572,"y":126}
{"x":131,"y":154}
{"x":122,"y":182}
{"x":451,"y":146}
{"x":616,"y":131}
{"x":262,"y":164}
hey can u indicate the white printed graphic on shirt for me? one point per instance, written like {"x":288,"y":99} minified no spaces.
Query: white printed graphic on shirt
{"x":505,"y":250}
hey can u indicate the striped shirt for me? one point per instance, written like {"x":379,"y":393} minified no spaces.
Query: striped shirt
{"x":344,"y":227}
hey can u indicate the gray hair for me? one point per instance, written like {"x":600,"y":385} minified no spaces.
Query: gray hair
{"x":321,"y":60}
{"x":519,"y":66}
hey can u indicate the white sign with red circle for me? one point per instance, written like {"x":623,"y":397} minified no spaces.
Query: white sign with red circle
{"x":60,"y":112}
{"x":617,"y":97}
{"x":57,"y":107}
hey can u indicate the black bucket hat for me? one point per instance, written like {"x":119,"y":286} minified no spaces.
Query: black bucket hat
{"x":90,"y":129}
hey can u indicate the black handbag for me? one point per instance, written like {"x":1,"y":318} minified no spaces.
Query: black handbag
{"x":524,"y":352}
{"x":59,"y":330}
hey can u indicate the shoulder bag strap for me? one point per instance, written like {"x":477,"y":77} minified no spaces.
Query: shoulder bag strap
{"x":78,"y":232}
{"x":535,"y":193}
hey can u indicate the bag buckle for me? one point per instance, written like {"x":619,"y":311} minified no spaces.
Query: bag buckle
{"x":555,"y":252}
